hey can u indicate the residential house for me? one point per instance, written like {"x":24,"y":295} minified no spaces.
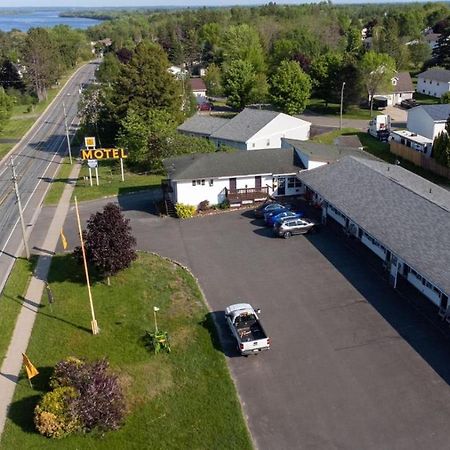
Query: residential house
{"x":240,"y":177}
{"x":201,"y":126}
{"x":432,"y":39}
{"x":428,"y":120}
{"x":178,"y":72}
{"x":198,"y":88}
{"x":434,"y":82}
{"x":251,"y":129}
{"x":401,"y":217}
{"x":402,"y":89}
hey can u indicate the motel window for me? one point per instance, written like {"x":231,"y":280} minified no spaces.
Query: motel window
{"x":253,"y":145}
{"x":437,"y":84}
{"x":203,"y":182}
{"x":193,"y":182}
{"x":211,"y":182}
{"x":294,"y":182}
{"x":268,"y":142}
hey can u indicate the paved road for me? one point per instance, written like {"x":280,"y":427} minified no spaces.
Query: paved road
{"x":353,"y":365}
{"x":36,"y":158}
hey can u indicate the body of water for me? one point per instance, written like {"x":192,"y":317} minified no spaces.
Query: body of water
{"x":40,"y":18}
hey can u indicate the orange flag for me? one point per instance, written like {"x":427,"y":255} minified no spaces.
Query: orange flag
{"x":31,"y":370}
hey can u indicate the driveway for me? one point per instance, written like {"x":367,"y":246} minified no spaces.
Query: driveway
{"x":352,"y":364}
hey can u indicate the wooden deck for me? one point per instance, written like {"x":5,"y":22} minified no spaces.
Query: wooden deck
{"x":247,"y":195}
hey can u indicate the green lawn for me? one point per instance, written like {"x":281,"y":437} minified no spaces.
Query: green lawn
{"x":58,"y":183}
{"x":11,"y":300}
{"x":21,"y":120}
{"x":423,"y":99}
{"x":110,"y":183}
{"x":333,"y":109}
{"x":182,"y":400}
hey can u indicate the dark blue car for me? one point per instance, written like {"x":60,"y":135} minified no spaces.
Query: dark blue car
{"x":275,"y":212}
{"x":284,"y":216}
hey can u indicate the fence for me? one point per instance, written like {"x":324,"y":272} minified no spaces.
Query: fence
{"x":419,"y":159}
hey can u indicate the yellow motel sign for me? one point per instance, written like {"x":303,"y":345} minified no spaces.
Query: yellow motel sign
{"x":104,"y":153}
{"x":89,"y":142}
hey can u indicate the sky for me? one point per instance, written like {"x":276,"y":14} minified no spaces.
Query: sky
{"x":130,"y":3}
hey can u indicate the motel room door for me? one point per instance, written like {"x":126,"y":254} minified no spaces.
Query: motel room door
{"x":232,"y":184}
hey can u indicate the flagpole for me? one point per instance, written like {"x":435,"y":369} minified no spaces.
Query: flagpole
{"x":94,"y":325}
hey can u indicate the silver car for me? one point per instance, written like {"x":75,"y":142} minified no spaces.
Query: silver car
{"x":297,"y":226}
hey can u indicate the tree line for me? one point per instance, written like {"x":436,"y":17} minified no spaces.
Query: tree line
{"x":31,"y":62}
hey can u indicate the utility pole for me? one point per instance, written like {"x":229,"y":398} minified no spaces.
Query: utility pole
{"x":19,"y":204}
{"x":67,"y":133}
{"x":342,"y":104}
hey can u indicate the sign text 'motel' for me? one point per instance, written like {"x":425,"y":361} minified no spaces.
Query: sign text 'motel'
{"x":104,"y":153}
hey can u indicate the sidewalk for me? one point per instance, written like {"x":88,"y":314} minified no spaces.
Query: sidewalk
{"x":12,"y":364}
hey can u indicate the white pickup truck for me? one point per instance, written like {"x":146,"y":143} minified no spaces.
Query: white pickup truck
{"x":246,"y":328}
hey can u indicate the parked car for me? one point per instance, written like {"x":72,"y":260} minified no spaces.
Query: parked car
{"x":297,"y":226}
{"x":408,"y":103}
{"x":246,"y":328}
{"x":274,"y":212}
{"x":266,"y":206}
{"x":205,"y":106}
{"x":285,"y":215}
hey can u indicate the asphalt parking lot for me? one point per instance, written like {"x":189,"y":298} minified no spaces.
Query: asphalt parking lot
{"x":352,"y":365}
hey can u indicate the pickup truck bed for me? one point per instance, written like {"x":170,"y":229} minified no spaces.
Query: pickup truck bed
{"x":250,"y":331}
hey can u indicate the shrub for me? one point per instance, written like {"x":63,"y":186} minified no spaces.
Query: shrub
{"x":224,"y":205}
{"x":54,"y":416}
{"x":185,"y":211}
{"x":86,"y":396}
{"x":203,"y":206}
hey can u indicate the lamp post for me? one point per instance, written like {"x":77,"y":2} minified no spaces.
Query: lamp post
{"x":342,"y":105}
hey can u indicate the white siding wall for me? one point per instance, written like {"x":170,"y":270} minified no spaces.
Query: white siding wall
{"x":185,"y":192}
{"x":432,"y":295}
{"x":396,"y":98}
{"x":336,"y":215}
{"x":378,"y":249}
{"x":432,"y":87}
{"x":421,"y":123}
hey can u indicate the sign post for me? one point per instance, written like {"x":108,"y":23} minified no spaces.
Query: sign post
{"x":93,"y":164}
{"x":121,"y":169}
{"x":90,"y":176}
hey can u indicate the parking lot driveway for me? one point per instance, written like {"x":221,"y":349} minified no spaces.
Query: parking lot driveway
{"x":352,"y":365}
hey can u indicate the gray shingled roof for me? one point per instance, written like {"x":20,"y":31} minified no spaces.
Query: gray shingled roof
{"x":403,"y":211}
{"x":325,"y":152}
{"x":222,"y":164}
{"x":351,"y":141}
{"x":439,"y":113}
{"x":436,"y":74}
{"x":245,"y":125}
{"x":404,"y":83}
{"x":205,"y":125}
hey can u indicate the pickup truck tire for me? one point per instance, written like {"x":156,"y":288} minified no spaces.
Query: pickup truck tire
{"x":287,"y":234}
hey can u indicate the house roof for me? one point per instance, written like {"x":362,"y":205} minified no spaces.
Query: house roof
{"x":223,"y":164}
{"x":432,"y":37}
{"x":436,"y":74}
{"x":197,"y":84}
{"x":348,"y":141}
{"x":403,"y":211}
{"x":205,"y":125}
{"x":325,"y":152}
{"x":439,"y":113}
{"x":245,"y":125}
{"x":404,"y":83}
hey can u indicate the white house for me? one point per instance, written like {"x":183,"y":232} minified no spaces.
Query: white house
{"x":434,"y":82}
{"x":402,"y":89}
{"x":428,"y":120}
{"x":401,"y":217}
{"x":251,"y":129}
{"x":198,"y":87}
{"x":240,"y":177}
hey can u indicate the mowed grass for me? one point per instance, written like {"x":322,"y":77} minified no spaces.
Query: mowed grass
{"x":59,"y":182}
{"x":333,"y":109}
{"x":110,"y":183}
{"x":11,"y":300}
{"x":182,"y":400}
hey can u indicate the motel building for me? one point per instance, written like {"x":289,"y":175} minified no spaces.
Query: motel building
{"x":402,"y":218}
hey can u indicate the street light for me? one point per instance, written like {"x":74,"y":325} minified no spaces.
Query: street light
{"x":342,"y":104}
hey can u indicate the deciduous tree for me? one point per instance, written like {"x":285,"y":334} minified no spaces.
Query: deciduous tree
{"x":290,"y":88}
{"x":108,"y":241}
